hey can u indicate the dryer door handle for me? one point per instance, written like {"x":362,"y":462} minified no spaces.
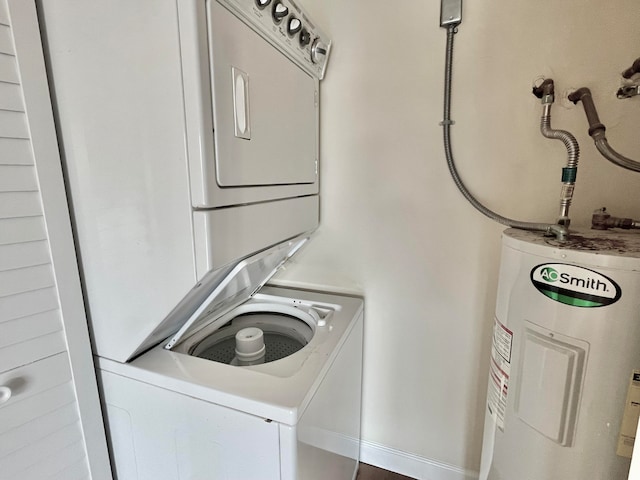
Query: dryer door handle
{"x":5,"y":394}
{"x":241,"y":110}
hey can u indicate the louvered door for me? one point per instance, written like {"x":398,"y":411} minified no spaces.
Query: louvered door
{"x":50,"y":423}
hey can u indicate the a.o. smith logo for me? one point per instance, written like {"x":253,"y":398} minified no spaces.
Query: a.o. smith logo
{"x":573,"y":285}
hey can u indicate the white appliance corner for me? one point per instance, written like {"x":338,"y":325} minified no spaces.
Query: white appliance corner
{"x":412,"y":465}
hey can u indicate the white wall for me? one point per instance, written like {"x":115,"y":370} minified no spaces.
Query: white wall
{"x":393,"y":224}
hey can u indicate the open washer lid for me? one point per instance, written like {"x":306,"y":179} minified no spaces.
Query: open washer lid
{"x":220,"y":291}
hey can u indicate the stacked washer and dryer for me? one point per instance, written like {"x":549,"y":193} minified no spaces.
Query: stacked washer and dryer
{"x":189,"y":131}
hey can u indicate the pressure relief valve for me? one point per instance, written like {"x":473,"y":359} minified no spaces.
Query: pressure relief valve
{"x":602,"y":220}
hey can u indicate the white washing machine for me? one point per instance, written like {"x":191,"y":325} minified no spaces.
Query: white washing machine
{"x":255,"y":383}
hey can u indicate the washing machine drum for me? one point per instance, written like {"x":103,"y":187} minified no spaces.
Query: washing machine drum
{"x":255,"y":338}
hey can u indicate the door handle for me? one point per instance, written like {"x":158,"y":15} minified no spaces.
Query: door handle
{"x":241,"y":110}
{"x":5,"y":394}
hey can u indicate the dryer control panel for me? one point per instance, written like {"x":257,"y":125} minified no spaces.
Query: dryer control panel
{"x":288,"y":27}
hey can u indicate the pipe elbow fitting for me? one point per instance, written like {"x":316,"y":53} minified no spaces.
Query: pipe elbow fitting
{"x":578,"y":95}
{"x":596,"y":128}
{"x":632,"y":70}
{"x":561,"y":232}
{"x":545,"y":91}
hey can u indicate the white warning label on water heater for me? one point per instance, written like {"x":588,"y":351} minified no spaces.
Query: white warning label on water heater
{"x":629,"y":425}
{"x":499,"y":371}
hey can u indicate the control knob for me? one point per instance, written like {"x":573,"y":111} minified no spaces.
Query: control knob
{"x":279,"y":11}
{"x":318,"y":51}
{"x":305,"y":37}
{"x":262,"y":3}
{"x":294,"y":26}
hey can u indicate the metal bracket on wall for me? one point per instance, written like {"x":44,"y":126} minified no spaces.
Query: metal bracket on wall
{"x":628,"y":91}
{"x":450,"y":12}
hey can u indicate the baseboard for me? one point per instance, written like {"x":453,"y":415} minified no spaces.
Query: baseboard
{"x":383,"y":457}
{"x":411,"y":465}
{"x":333,"y":442}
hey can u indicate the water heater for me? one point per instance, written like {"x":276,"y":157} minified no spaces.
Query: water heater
{"x":564,"y":381}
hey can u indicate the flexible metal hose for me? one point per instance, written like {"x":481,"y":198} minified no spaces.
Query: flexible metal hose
{"x":559,"y":231}
{"x":573,"y":153}
{"x":610,"y":154}
{"x":570,"y":142}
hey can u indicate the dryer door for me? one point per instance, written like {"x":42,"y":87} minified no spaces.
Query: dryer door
{"x":251,"y":105}
{"x":264,"y":108}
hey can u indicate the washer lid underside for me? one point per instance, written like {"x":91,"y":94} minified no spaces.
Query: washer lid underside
{"x":221,"y":290}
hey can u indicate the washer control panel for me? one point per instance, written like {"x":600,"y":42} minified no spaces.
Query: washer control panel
{"x":288,"y":27}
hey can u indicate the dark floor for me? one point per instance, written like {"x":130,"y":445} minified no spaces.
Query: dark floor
{"x":368,"y":472}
